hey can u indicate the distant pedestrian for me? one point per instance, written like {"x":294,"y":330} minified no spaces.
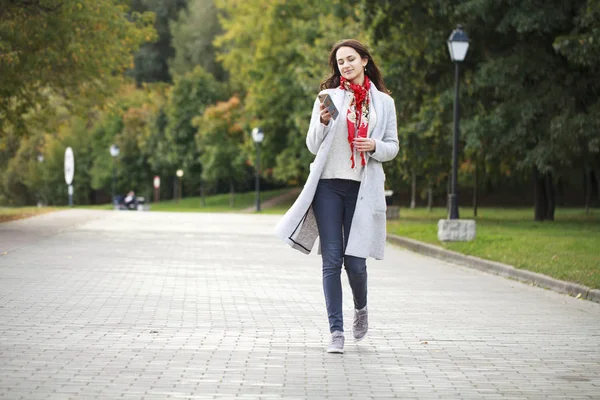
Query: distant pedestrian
{"x":343,"y":200}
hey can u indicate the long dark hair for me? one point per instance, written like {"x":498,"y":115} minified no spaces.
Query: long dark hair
{"x":371,"y":69}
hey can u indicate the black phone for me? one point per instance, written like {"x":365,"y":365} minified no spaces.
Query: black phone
{"x":325,"y":99}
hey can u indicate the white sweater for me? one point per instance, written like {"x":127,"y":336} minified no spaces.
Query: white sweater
{"x":338,"y":164}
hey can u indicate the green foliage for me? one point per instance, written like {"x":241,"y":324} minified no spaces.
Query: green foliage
{"x":277,"y":53}
{"x":75,"y":49}
{"x":193,"y":36}
{"x":221,"y":136}
{"x":190,"y":95}
{"x":131,"y":124}
{"x":523,"y":105}
{"x":528,"y":90}
{"x":582,"y":44}
{"x":151,"y":61}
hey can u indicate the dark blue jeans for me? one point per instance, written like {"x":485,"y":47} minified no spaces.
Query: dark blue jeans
{"x":333,"y":205}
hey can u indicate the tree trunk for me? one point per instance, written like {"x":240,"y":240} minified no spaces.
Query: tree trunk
{"x":448,"y":194}
{"x":429,"y":197}
{"x":231,"y":194}
{"x":544,"y":197}
{"x":539,"y":196}
{"x":587,"y":190}
{"x":413,"y":191}
{"x":475,"y":182}
{"x":175,"y":189}
{"x":597,"y":173}
{"x":202,"y":196}
{"x":550,"y":196}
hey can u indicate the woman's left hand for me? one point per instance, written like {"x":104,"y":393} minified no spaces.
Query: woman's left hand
{"x":364,"y":144}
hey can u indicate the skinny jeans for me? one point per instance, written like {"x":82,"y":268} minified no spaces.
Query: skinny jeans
{"x":333,"y":205}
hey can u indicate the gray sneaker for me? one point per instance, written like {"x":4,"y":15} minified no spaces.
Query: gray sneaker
{"x":336,"y":345}
{"x":361,"y":323}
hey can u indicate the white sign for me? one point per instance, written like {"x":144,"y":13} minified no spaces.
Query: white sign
{"x":70,"y":190}
{"x":156,"y":182}
{"x":69,"y":166}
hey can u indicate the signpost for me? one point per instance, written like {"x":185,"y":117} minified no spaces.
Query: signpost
{"x":69,"y":172}
{"x":156,"y":188}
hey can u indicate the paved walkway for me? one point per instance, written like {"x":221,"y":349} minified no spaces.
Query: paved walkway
{"x":106,"y":304}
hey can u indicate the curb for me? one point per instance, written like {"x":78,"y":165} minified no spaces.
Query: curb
{"x":497,"y":268}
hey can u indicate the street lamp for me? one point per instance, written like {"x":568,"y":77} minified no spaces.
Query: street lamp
{"x":458,"y":44}
{"x":114,"y":152}
{"x":40,"y":203}
{"x":179,"y":174}
{"x":257,"y":136}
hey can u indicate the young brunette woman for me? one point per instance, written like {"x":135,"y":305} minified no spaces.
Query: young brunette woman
{"x":343,"y":201}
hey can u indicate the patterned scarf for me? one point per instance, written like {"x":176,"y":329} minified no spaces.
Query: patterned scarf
{"x":358,"y":113}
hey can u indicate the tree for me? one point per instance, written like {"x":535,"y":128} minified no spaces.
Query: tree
{"x":221,"y":136}
{"x":193,"y":35}
{"x":533,"y":98}
{"x":276,"y":54}
{"x":190,"y":95}
{"x":525,"y":108}
{"x":409,"y":37}
{"x":151,"y":61}
{"x":77,"y":50}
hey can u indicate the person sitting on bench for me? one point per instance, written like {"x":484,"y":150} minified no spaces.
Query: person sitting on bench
{"x":130,"y":199}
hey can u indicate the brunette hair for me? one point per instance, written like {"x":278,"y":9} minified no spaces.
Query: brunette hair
{"x":371,"y":69}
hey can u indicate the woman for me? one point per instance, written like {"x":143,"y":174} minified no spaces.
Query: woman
{"x":343,"y":201}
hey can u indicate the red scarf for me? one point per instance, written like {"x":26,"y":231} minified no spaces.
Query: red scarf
{"x":358,"y":113}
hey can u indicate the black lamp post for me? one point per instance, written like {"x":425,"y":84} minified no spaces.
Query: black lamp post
{"x":458,"y":44}
{"x":179,"y":174}
{"x":114,"y":152}
{"x":40,"y":158}
{"x":257,"y":136}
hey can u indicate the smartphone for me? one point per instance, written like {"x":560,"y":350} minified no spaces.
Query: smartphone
{"x":325,"y":99}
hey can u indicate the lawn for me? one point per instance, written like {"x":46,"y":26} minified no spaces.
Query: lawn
{"x":14,"y":213}
{"x":216,"y":203}
{"x":567,"y":249}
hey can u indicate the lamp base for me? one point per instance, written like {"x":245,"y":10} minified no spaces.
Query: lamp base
{"x":456,"y":230}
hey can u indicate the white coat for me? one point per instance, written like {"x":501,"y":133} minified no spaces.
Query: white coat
{"x":298,"y":227}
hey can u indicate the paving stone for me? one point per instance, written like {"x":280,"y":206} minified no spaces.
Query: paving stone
{"x":105,"y":304}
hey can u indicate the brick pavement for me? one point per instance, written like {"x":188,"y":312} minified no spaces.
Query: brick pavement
{"x":104,"y":304}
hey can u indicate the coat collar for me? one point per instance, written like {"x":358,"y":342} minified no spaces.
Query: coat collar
{"x":377,"y":100}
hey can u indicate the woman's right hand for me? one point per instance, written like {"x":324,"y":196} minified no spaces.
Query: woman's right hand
{"x":325,"y":115}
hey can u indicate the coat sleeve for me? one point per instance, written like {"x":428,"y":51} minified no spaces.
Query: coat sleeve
{"x":387,"y":148}
{"x":316,"y":131}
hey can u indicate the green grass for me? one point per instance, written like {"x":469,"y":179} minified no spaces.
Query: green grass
{"x":567,"y":249}
{"x":216,"y":203}
{"x":14,"y":213}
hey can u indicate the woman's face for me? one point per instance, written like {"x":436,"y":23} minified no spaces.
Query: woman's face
{"x":351,"y":66}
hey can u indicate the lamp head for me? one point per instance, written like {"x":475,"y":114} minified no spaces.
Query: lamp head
{"x":257,"y":135}
{"x":114,"y":150}
{"x":458,"y":44}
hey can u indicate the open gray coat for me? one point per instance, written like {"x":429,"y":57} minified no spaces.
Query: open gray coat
{"x":298,"y":227}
